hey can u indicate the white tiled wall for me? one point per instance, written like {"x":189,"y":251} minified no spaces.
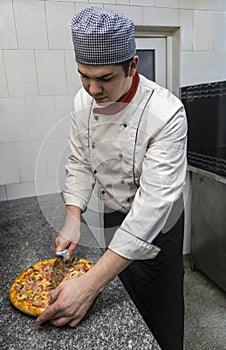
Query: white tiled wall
{"x":13,"y":120}
{"x":38,"y":80}
{"x":20,"y":72}
{"x":50,"y":63}
{"x":30,"y":24}
{"x":59,"y":36}
{"x":38,"y":76}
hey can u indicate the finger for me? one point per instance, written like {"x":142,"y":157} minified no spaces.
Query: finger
{"x":74,"y":322}
{"x":61,"y":243}
{"x":71,"y":249}
{"x":53,"y":311}
{"x":60,"y":321}
{"x":49,"y":313}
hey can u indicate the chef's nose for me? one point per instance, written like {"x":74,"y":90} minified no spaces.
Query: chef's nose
{"x":95,"y":88}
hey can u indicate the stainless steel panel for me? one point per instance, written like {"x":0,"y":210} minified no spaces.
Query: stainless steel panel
{"x":208,"y":227}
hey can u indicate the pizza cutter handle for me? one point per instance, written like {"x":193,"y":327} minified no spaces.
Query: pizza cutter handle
{"x":63,"y":254}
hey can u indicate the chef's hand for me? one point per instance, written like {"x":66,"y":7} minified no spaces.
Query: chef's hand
{"x":69,"y":302}
{"x":70,"y":233}
{"x":63,"y":243}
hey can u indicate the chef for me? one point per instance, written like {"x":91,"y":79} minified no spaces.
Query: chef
{"x":128,"y":136}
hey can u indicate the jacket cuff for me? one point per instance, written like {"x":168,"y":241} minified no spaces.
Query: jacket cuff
{"x":72,"y":199}
{"x":131,"y":247}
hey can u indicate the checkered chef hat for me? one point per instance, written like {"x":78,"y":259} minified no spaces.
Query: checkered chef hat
{"x":102,"y":37}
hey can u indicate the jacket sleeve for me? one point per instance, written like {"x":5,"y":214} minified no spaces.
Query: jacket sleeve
{"x":79,"y":177}
{"x":161,"y":185}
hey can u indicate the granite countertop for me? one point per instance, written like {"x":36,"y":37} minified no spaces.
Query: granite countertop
{"x":27,"y":236}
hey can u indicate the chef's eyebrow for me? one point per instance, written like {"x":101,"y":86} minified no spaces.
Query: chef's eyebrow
{"x":98,"y":78}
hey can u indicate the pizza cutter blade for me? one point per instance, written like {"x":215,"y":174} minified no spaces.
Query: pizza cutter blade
{"x":57,"y":274}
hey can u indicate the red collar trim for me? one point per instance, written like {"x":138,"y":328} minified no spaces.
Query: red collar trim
{"x":119,"y":105}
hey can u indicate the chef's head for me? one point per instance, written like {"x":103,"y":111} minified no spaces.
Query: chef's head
{"x":102,"y":37}
{"x":105,"y":52}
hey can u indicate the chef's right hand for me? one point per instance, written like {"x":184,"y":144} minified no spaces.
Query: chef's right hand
{"x":63,"y":243}
{"x":69,"y":236}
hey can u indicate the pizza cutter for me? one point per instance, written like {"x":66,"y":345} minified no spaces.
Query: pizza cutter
{"x":57,"y":274}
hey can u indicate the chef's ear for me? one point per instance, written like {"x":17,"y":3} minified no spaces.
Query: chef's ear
{"x":133,"y":66}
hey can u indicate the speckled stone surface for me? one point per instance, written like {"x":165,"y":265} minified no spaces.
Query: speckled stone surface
{"x":113,"y":322}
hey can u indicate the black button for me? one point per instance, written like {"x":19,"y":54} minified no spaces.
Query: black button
{"x":122,"y":182}
{"x":93,"y":145}
{"x":96,"y":117}
{"x":102,"y":192}
{"x":125,"y":125}
{"x":128,"y":199}
{"x":95,"y":171}
{"x":120,"y":155}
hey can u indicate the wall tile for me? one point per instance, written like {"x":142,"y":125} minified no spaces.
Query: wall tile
{"x":85,"y":1}
{"x":219,"y":32}
{"x":13,"y":119}
{"x":161,"y":16}
{"x":7,"y":25}
{"x":20,"y":72}
{"x":63,"y":106}
{"x":203,"y":30}
{"x":73,"y":79}
{"x":103,"y":1}
{"x":132,"y":12}
{"x":122,"y":2}
{"x":31,"y":24}
{"x":142,"y":2}
{"x":80,"y":6}
{"x":51,"y":72}
{"x":187,"y":21}
{"x":3,"y":83}
{"x":167,"y":3}
{"x":194,"y":62}
{"x":59,"y":17}
{"x":31,"y":161}
{"x":199,"y":71}
{"x":8,"y":160}
{"x":41,"y":117}
{"x":21,"y":190}
{"x":202,"y":5}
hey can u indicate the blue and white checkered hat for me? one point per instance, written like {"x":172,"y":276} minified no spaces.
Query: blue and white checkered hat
{"x":102,"y":37}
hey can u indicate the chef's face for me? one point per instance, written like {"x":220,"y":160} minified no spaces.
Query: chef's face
{"x":107,"y":84}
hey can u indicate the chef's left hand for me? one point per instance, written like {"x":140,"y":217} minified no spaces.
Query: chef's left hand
{"x":69,"y":302}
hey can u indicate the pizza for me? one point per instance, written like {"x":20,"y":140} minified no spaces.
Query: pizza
{"x":31,"y":290}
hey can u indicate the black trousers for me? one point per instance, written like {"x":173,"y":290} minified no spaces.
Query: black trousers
{"x":156,"y":285}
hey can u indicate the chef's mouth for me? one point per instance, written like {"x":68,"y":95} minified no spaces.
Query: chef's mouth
{"x":100,"y":100}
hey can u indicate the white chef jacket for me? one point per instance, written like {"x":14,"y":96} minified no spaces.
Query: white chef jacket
{"x":137,"y":157}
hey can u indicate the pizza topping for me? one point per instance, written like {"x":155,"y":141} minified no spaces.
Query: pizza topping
{"x":41,"y":304}
{"x":38,"y":288}
{"x":19,"y":287}
{"x":47,"y":267}
{"x":48,"y":276}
